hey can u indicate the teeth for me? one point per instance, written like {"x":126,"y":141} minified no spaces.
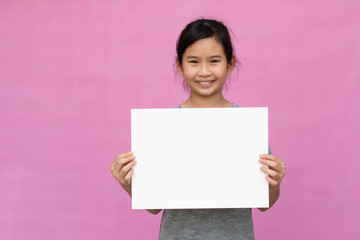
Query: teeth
{"x":204,"y":83}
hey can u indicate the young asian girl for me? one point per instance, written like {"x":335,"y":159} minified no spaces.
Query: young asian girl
{"x":204,"y":60}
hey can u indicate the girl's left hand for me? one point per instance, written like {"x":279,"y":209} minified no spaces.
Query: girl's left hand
{"x":276,"y":170}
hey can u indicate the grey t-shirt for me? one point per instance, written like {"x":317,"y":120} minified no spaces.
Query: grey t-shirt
{"x":227,"y":223}
{"x":221,"y":223}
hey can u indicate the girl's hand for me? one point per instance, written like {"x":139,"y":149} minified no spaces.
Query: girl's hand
{"x":122,"y":169}
{"x":276,"y":170}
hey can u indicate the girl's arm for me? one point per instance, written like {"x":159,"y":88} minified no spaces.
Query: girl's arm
{"x":122,"y":169}
{"x":153,"y":211}
{"x":276,"y":171}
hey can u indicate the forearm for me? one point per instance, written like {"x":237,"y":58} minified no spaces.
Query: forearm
{"x":274,"y":193}
{"x":152,"y":211}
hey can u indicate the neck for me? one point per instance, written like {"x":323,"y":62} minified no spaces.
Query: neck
{"x":214,"y":101}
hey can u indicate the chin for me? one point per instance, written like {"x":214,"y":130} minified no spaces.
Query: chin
{"x":207,"y":92}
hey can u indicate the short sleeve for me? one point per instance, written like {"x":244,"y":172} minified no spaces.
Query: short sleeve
{"x":269,"y":150}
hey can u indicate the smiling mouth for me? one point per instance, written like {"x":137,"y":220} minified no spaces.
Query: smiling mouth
{"x":205,"y":82}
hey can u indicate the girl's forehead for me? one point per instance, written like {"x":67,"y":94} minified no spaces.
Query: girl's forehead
{"x":205,"y":46}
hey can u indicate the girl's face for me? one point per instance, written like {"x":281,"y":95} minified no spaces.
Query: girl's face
{"x":205,"y":68}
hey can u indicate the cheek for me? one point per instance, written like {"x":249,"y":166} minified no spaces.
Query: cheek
{"x":221,"y":72}
{"x":189,"y":73}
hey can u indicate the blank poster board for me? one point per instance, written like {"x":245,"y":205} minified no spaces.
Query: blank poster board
{"x":199,"y":158}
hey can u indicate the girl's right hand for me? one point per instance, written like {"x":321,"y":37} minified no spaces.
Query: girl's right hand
{"x":122,"y":169}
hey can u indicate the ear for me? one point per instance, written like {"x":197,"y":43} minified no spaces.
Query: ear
{"x":179,"y":68}
{"x":231,"y":65}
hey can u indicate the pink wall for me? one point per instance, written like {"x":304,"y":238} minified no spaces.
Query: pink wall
{"x":70,"y":71}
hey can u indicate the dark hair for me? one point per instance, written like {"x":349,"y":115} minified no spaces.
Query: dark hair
{"x":200,"y":29}
{"x":204,"y":28}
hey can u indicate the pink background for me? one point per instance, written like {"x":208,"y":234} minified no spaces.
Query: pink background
{"x":70,"y":71}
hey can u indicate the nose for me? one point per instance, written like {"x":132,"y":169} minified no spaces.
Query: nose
{"x":204,"y":70}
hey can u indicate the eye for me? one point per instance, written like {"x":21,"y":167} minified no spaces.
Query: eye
{"x":214,"y":61}
{"x":193,"y":61}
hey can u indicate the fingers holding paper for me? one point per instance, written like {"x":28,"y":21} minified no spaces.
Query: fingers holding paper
{"x":276,"y":169}
{"x":122,"y":169}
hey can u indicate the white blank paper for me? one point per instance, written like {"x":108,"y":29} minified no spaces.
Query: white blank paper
{"x":199,"y":158}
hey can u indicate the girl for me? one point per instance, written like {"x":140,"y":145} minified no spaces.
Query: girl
{"x":204,"y":59}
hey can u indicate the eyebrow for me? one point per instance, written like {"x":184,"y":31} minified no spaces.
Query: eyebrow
{"x":212,"y":56}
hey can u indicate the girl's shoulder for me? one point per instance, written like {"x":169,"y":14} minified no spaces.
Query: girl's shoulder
{"x":233,"y":105}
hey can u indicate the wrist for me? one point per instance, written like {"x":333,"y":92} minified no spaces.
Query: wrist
{"x":127,"y":189}
{"x":274,"y":189}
